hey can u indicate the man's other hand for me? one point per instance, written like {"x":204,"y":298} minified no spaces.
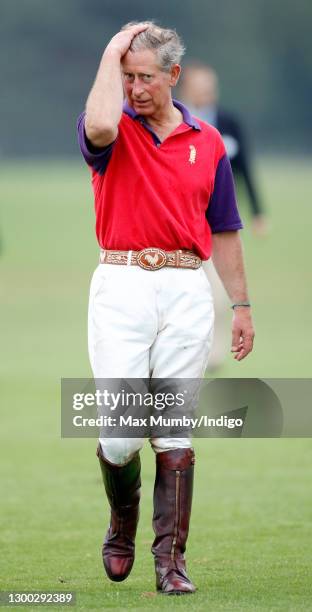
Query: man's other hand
{"x":242,"y":332}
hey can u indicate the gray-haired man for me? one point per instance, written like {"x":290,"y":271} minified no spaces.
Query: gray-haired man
{"x":163,"y":197}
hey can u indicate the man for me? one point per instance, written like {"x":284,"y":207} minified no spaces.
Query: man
{"x":162,"y":184}
{"x":200,"y":90}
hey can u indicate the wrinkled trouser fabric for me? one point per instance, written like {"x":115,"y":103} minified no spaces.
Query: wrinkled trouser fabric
{"x":144,"y":324}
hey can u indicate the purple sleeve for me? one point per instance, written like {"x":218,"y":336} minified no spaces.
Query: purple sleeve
{"x":95,"y":157}
{"x":222,"y":213}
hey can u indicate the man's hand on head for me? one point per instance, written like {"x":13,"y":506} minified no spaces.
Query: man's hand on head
{"x":105,"y":100}
{"x":121,"y":42}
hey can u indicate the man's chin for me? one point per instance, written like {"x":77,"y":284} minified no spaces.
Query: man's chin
{"x":142,"y":108}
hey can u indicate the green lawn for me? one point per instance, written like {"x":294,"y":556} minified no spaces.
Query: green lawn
{"x":250,"y":541}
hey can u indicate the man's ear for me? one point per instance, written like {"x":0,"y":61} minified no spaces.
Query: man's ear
{"x":175,"y":71}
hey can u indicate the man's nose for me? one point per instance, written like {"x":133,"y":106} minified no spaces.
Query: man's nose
{"x":137,"y":88}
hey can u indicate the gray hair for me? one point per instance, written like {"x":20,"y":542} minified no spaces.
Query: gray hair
{"x":166,"y":44}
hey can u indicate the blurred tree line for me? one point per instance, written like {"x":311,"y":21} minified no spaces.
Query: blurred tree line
{"x":50,"y":50}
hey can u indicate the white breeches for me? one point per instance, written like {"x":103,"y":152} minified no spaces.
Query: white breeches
{"x":144,"y":324}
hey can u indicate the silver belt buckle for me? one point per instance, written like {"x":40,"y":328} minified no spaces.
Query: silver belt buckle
{"x":151,"y":259}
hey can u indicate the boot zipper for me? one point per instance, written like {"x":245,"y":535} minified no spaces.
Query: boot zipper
{"x":176,"y":518}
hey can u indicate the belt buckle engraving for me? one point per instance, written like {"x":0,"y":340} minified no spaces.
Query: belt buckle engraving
{"x":152,"y":259}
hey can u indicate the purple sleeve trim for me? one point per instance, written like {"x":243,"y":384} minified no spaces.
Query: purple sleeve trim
{"x":97,"y":158}
{"x":222,"y":212}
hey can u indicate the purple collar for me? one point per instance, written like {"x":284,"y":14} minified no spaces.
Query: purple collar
{"x":187,"y":117}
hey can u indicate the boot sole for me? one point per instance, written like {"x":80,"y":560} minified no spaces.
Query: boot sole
{"x":161,"y":592}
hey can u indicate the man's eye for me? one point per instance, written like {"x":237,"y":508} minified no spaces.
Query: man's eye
{"x":147,"y":77}
{"x":128,"y":76}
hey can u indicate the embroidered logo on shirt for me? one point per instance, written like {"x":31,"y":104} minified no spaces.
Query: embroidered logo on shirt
{"x":192,"y":157}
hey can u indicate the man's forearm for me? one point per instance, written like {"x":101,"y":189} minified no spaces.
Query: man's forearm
{"x":227,"y":256}
{"x":104,"y":104}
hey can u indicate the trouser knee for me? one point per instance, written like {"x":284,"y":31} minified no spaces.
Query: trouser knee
{"x":120,"y":450}
{"x":159,"y":445}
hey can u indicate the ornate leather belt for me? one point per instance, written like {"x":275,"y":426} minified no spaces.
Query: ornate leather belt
{"x":152,"y":258}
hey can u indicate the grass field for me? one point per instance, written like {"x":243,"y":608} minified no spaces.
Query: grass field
{"x":250,"y":542}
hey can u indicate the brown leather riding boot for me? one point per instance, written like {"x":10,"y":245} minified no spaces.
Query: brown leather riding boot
{"x":122,"y":485}
{"x":172,"y":510}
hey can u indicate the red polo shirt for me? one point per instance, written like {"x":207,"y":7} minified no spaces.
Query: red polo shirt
{"x":169,"y":194}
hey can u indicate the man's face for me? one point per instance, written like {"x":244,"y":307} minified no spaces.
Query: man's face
{"x":146,"y":86}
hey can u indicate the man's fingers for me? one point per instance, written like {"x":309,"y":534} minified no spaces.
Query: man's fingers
{"x":236,"y":338}
{"x":242,"y":334}
{"x":123,"y":39}
{"x":242,"y":353}
{"x":244,"y":348}
{"x":136,"y":29}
